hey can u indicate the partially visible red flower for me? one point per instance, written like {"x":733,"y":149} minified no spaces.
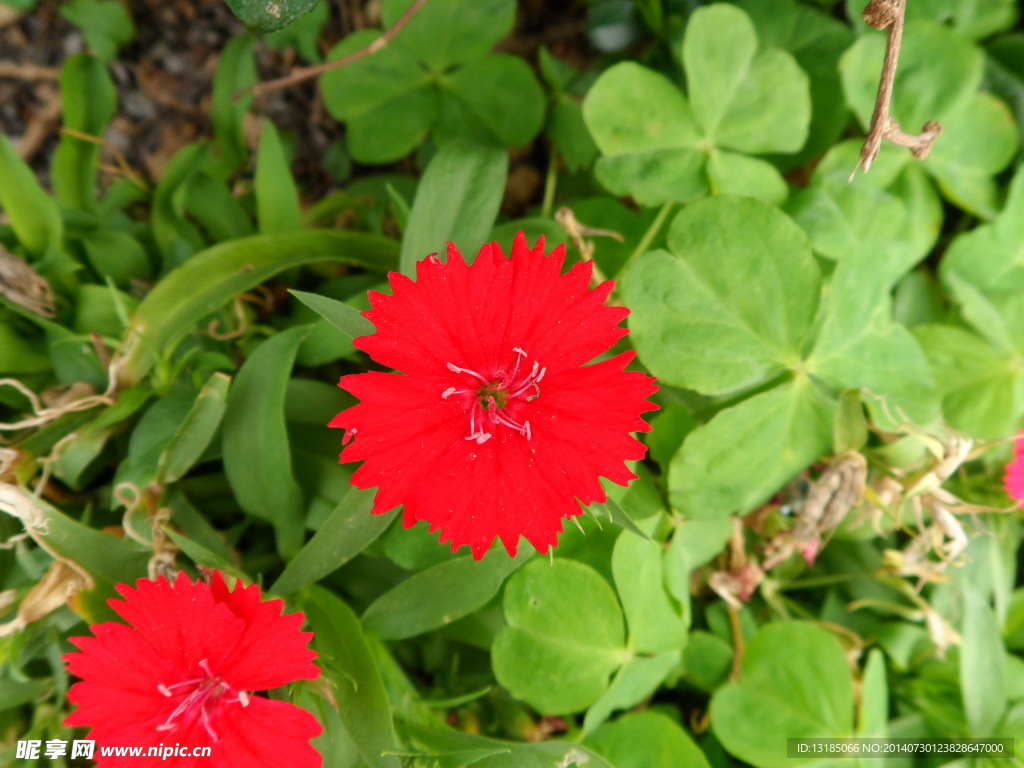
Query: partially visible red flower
{"x":1014,"y":478}
{"x":495,"y":427}
{"x":184,"y":671}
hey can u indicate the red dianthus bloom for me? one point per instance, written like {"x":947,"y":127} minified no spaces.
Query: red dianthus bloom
{"x":495,"y":426}
{"x":1014,"y":478}
{"x":183,"y":671}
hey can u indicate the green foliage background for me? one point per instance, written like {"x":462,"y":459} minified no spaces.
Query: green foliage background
{"x":793,"y":320}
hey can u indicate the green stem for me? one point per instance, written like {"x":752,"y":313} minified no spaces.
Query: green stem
{"x":817,"y":581}
{"x":549,"y":185}
{"x":648,"y":238}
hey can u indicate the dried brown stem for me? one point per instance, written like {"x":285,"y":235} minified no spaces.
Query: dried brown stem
{"x":28,"y":71}
{"x":305,"y":73}
{"x":882,"y":14}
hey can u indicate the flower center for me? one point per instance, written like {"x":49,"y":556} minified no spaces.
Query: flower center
{"x":492,"y":400}
{"x":198,"y":696}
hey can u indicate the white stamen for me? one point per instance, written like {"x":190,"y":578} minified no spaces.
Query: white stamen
{"x":448,"y":393}
{"x":164,"y":689}
{"x":243,"y":697}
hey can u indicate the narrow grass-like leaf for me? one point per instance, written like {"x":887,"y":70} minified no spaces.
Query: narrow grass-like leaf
{"x":439,"y":595}
{"x":34,"y":217}
{"x":257,"y":454}
{"x":349,"y":665}
{"x":983,"y":670}
{"x":277,"y":198}
{"x":348,"y":320}
{"x":196,"y":432}
{"x":457,"y":200}
{"x":347,"y":531}
{"x":209,"y":279}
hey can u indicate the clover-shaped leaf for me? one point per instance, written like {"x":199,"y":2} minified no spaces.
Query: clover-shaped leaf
{"x":660,"y":145}
{"x":435,"y":78}
{"x":758,"y":324}
{"x":795,"y":681}
{"x":564,"y":636}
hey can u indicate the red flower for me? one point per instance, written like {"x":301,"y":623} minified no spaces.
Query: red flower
{"x":184,"y":670}
{"x":496,"y":427}
{"x":1014,"y":478}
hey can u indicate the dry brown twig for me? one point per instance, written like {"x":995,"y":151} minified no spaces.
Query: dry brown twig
{"x":882,"y":14}
{"x":305,"y":73}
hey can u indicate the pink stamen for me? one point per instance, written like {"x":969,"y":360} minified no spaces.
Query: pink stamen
{"x":204,"y":692}
{"x":496,"y":395}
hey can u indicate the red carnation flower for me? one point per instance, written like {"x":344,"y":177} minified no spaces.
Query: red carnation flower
{"x":495,"y":427}
{"x":1014,"y":478}
{"x":183,"y":671}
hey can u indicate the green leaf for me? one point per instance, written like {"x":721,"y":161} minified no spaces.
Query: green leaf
{"x":34,"y":217}
{"x":345,"y":318}
{"x":349,"y":665}
{"x":457,"y":200}
{"x":700,"y":326}
{"x":794,"y":683}
{"x":257,"y":454}
{"x":210,"y":202}
{"x":568,"y":132}
{"x":197,"y":430}
{"x":439,"y":595}
{"x":873,"y":712}
{"x":116,"y":255}
{"x":656,"y":623}
{"x":851,"y":217}
{"x":978,"y":141}
{"x":346,"y":532}
{"x":564,"y":636}
{"x":173,"y":232}
{"x":730,"y":173}
{"x":886,"y":360}
{"x":816,"y":40}
{"x":646,"y":740}
{"x":107,"y":557}
{"x":982,"y":390}
{"x":15,"y":694}
{"x":270,"y":15}
{"x":988,"y":256}
{"x":236,"y":71}
{"x":744,"y":99}
{"x":450,"y":747}
{"x":659,"y":148}
{"x":637,"y":679}
{"x":747,"y":452}
{"x":18,"y":355}
{"x":972,"y":18}
{"x":927,"y":86}
{"x":277,"y":198}
{"x":425,"y":82}
{"x":444,"y":33}
{"x":388,"y":88}
{"x":209,"y":279}
{"x":199,"y":554}
{"x":982,"y":665}
{"x":105,"y":24}
{"x":647,"y":135}
{"x":851,"y":432}
{"x":500,"y":94}
{"x":88,"y":102}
